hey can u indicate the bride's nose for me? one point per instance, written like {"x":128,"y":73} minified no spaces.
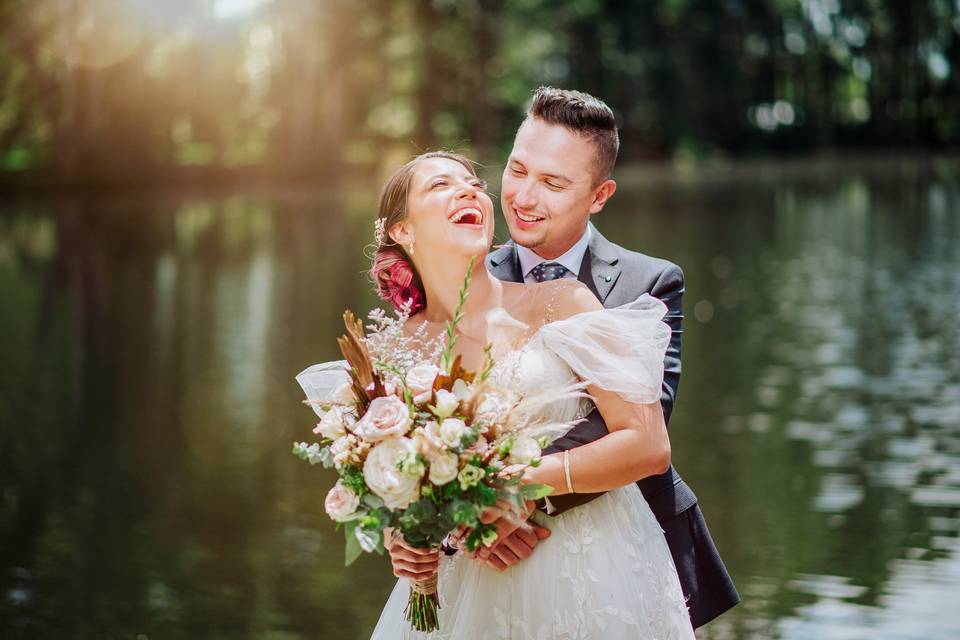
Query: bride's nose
{"x":467,"y":191}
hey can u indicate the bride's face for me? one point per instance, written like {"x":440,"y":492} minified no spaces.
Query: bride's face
{"x":448,"y":213}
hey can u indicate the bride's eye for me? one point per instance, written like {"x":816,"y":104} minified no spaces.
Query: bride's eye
{"x":438,"y":183}
{"x":480,"y":184}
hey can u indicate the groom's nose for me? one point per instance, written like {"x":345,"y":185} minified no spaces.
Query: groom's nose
{"x":526,"y":197}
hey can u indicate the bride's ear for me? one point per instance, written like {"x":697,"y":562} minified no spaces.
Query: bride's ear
{"x":400,"y":234}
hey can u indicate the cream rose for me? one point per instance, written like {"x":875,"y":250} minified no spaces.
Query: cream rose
{"x":420,"y":381}
{"x":385,"y":417}
{"x":383,"y":477}
{"x":443,"y":467}
{"x":341,"y":502}
{"x":446,"y":404}
{"x":332,"y":425}
{"x":427,"y":439}
{"x":452,"y":431}
{"x":524,"y":450}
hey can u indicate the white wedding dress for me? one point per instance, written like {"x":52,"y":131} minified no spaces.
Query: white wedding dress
{"x":606,"y":571}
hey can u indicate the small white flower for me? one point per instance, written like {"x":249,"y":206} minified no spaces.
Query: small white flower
{"x":427,"y":439}
{"x":332,"y":424}
{"x":343,"y":395}
{"x":443,"y":468}
{"x":452,"y":431}
{"x":447,"y":403}
{"x":420,"y":381}
{"x":524,"y":450}
{"x":461,"y":389}
{"x":469,"y":476}
{"x":341,"y":502}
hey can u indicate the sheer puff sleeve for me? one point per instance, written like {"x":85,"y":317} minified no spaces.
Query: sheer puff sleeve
{"x":619,"y":349}
{"x":321,"y":382}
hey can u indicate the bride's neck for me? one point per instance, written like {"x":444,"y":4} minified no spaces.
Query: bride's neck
{"x":442,"y":287}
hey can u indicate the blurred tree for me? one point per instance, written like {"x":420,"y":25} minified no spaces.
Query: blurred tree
{"x":105,"y":91}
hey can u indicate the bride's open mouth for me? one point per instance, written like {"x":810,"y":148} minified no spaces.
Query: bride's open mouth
{"x":471,"y":216}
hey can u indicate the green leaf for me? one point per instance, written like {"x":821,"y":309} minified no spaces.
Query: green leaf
{"x":353,"y":549}
{"x":535,"y":491}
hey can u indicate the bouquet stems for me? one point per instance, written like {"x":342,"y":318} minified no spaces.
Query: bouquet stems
{"x":423,"y":604}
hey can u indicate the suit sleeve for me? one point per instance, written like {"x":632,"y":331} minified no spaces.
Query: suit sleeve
{"x":669,"y":289}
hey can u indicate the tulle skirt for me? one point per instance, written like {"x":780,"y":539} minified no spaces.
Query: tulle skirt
{"x":605,"y":572}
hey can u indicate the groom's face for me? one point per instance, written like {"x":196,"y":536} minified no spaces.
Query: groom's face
{"x":549,"y":187}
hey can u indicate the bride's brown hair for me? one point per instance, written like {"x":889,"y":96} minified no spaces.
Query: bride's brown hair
{"x":393,"y":273}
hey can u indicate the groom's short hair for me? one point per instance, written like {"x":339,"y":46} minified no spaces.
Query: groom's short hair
{"x":586,"y":116}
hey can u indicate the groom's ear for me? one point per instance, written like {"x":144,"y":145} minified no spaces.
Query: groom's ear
{"x":603,"y":192}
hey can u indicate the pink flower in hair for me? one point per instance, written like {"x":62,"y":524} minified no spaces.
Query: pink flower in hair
{"x":395,"y":280}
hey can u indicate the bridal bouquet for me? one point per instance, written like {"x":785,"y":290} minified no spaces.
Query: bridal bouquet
{"x":421,"y":445}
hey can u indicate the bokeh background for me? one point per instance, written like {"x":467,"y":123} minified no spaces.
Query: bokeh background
{"x":186,"y":191}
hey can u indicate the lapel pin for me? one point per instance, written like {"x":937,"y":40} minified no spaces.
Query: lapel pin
{"x":607,"y":278}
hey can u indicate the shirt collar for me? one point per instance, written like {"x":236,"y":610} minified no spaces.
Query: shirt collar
{"x":572,"y":259}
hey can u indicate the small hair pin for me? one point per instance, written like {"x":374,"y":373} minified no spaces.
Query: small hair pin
{"x":379,"y":231}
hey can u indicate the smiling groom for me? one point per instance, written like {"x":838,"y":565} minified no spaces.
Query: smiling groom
{"x":556,"y":178}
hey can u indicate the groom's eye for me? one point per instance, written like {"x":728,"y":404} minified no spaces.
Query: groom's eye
{"x":553,"y":185}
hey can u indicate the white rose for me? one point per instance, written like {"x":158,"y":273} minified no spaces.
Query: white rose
{"x":444,"y":467}
{"x":385,"y":417}
{"x":332,"y":425}
{"x":381,"y":474}
{"x":451,"y":431}
{"x":524,"y":450}
{"x":341,"y":502}
{"x":420,"y":381}
{"x":446,"y":404}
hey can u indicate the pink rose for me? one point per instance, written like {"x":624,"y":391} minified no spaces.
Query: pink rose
{"x":385,"y":417}
{"x":420,"y":381}
{"x":341,"y":502}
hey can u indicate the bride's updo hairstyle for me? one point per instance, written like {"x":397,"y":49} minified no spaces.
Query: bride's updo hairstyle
{"x":393,"y":273}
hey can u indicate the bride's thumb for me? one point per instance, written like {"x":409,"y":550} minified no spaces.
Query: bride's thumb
{"x":542,"y":532}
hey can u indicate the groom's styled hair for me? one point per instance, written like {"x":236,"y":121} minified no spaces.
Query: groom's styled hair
{"x":586,"y":116}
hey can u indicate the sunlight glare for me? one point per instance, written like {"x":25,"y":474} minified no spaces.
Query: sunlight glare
{"x":233,"y":8}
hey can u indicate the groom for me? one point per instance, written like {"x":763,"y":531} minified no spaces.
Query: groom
{"x":557,"y":176}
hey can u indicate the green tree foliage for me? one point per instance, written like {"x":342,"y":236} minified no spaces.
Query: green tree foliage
{"x":136,"y":91}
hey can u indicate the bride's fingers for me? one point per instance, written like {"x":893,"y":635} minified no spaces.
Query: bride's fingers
{"x":414,"y":558}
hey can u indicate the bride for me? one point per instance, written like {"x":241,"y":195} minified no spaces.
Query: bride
{"x":605,"y":571}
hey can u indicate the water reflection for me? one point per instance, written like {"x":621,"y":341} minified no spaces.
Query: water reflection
{"x":147,"y":407}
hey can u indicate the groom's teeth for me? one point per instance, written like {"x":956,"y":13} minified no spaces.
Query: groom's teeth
{"x":527,"y":218}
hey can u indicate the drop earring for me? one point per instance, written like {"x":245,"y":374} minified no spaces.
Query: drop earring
{"x":409,"y":249}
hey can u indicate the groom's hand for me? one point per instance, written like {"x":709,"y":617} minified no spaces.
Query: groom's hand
{"x":515,"y":539}
{"x":515,"y":547}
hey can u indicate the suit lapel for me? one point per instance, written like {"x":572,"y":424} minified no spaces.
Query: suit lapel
{"x":504,"y":263}
{"x":602,"y":259}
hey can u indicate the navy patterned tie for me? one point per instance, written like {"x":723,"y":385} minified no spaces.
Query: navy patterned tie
{"x":548,"y":271}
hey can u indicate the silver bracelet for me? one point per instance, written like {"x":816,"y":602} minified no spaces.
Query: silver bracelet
{"x":566,"y":471}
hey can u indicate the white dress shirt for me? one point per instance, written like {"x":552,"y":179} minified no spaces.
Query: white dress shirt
{"x":572,"y":259}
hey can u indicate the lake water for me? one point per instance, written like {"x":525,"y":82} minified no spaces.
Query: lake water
{"x":147,"y":402}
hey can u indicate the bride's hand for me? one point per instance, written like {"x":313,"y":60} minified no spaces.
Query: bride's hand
{"x":410,"y":562}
